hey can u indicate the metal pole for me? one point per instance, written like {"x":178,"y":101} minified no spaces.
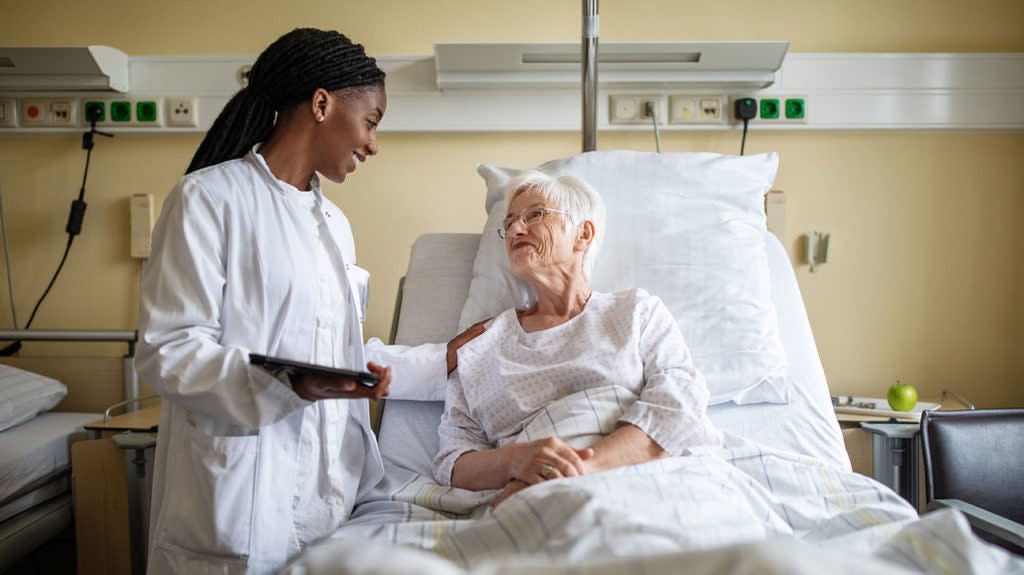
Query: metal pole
{"x":591,"y":29}
{"x":130,"y":383}
{"x":126,"y":336}
{"x":7,"y":261}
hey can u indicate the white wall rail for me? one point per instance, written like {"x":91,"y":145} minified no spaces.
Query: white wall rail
{"x":839,"y":91}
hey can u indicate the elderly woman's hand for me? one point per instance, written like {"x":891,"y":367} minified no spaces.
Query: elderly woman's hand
{"x":543,"y":459}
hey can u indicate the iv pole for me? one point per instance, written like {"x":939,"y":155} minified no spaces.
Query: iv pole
{"x":591,"y":29}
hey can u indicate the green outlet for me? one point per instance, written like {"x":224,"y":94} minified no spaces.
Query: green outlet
{"x":102,"y":111}
{"x":770,"y":108}
{"x":121,"y":111}
{"x":145,"y":111}
{"x":795,"y":108}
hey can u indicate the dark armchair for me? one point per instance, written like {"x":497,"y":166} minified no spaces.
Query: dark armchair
{"x":974,"y":461}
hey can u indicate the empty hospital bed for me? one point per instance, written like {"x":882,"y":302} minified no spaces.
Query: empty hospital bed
{"x":58,"y":396}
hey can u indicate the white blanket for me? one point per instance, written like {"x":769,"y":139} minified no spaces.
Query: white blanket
{"x":738,"y":508}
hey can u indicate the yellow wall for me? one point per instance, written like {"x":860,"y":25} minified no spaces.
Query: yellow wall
{"x":925,"y":282}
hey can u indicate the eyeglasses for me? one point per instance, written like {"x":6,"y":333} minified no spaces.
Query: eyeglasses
{"x":529,"y":216}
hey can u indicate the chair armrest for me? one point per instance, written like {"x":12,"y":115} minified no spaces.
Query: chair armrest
{"x":997,"y":525}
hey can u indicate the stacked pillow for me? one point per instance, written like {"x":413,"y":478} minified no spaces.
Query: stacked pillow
{"x":688,"y":227}
{"x":24,"y":394}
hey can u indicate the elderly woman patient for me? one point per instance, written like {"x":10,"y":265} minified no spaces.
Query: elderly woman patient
{"x":579,"y":382}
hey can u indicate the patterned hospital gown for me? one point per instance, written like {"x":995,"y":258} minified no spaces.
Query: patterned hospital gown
{"x":627,"y":341}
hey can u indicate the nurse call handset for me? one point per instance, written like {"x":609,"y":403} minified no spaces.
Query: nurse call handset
{"x":275,"y":364}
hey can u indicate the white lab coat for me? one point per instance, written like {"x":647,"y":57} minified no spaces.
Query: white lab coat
{"x":232,"y":270}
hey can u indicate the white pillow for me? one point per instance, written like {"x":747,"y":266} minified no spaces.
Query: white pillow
{"x":24,"y":394}
{"x":688,"y":227}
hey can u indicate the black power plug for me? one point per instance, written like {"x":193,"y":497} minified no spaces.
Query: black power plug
{"x":745,"y":109}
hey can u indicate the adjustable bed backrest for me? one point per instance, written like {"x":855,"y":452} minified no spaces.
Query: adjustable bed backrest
{"x":430,"y":300}
{"x":435,"y":287}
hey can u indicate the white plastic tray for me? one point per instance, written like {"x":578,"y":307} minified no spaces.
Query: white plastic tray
{"x":880,"y":408}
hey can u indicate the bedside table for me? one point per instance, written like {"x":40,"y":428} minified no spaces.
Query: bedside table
{"x":895,"y":454}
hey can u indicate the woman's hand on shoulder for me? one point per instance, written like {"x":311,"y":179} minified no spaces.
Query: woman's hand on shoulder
{"x":462,"y":339}
{"x":315,"y":388}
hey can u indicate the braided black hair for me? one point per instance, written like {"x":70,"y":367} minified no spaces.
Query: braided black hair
{"x":285,"y":75}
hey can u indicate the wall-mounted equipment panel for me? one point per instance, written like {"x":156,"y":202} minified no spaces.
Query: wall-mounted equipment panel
{"x":811,"y":91}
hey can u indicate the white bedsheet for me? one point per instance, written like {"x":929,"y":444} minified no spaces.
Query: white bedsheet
{"x":37,"y":448}
{"x":740,"y":508}
{"x":784,"y":504}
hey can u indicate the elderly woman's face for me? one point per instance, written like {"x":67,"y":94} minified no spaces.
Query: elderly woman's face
{"x":544,"y":244}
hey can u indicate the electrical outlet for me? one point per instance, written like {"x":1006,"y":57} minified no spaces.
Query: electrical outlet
{"x":181,"y":112}
{"x":123,"y":113}
{"x":92,"y":105}
{"x":120,"y":111}
{"x":146,"y":111}
{"x":696,"y":109}
{"x":795,"y":108}
{"x":769,"y":109}
{"x":8,"y":113}
{"x":778,"y":109}
{"x":48,"y":113}
{"x":631,"y":109}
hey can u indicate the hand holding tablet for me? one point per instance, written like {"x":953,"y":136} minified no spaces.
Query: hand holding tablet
{"x":313,"y":382}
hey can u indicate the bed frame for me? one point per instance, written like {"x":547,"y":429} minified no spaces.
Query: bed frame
{"x":93,"y":383}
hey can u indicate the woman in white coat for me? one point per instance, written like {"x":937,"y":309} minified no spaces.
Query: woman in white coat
{"x":249,"y":256}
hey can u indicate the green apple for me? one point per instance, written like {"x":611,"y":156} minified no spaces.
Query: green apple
{"x":902,"y":396}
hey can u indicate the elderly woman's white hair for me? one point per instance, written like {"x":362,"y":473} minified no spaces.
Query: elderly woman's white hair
{"x":570,"y":194}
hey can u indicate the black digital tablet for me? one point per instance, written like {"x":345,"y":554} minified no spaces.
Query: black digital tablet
{"x":274,"y":364}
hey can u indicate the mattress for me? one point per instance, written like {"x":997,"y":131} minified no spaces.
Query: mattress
{"x":437,"y":283}
{"x":37,"y":449}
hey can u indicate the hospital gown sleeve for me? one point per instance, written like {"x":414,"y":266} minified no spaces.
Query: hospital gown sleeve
{"x":179,"y":353}
{"x":672,"y":408}
{"x":418,"y":373}
{"x":459,"y":432}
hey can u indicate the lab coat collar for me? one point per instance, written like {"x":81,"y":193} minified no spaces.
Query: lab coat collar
{"x":283,"y":188}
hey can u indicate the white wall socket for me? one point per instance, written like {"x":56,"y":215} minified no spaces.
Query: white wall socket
{"x":632,"y":109}
{"x":183,"y":112}
{"x":696,"y":109}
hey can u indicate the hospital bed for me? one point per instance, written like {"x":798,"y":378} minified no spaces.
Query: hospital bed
{"x":609,"y":523}
{"x":35,"y":456}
